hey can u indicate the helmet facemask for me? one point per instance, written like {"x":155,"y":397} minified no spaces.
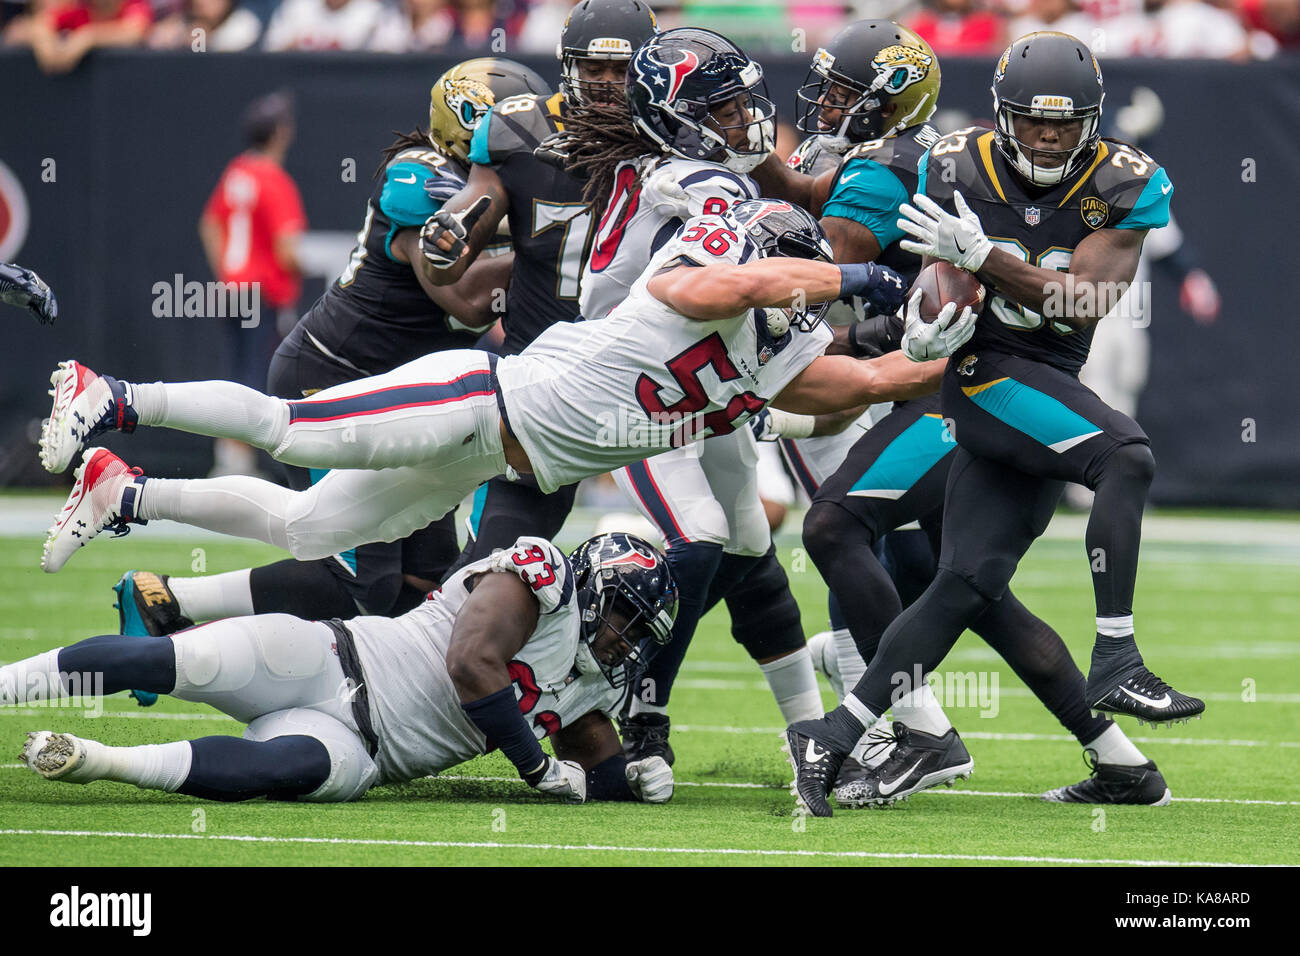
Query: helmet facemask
{"x":860,"y":118}
{"x":1022,"y":156}
{"x":643,"y":632}
{"x":580,"y":92}
{"x":751,"y":112}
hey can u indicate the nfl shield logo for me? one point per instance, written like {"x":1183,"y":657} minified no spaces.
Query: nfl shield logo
{"x":1033,"y":216}
{"x":765,"y":355}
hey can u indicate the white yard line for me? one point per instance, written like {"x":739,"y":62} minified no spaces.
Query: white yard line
{"x":603,"y":848}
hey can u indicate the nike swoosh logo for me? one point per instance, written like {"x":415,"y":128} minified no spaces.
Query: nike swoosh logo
{"x":888,"y":787}
{"x":1166,"y":187}
{"x":407,"y":181}
{"x":957,"y":244}
{"x":847,"y":176}
{"x":812,"y":753}
{"x":1162,"y":703}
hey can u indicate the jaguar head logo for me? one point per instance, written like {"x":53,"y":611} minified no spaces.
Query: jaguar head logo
{"x":468,"y":100}
{"x":898,"y":67}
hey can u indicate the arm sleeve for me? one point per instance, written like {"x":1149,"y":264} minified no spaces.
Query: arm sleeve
{"x":1151,"y":211}
{"x":869,"y":194}
{"x":479,"y":153}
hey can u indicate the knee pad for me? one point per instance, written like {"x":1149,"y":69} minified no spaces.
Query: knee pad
{"x":216,"y":657}
{"x":352,"y":771}
{"x":764,"y":616}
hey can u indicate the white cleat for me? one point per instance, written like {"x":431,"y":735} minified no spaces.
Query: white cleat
{"x":85,"y":405}
{"x":56,"y":756}
{"x":103,"y":496}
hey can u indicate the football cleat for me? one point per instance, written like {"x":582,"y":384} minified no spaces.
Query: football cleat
{"x":85,"y":405}
{"x":146,"y":607}
{"x":873,"y":750}
{"x":646,"y":735}
{"x":103,"y":497}
{"x":1112,"y":783}
{"x":816,"y":767}
{"x":1123,"y":685}
{"x":56,"y":756}
{"x":919,"y":761}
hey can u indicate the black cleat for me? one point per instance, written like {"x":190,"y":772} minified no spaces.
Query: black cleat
{"x":1111,"y":783}
{"x":1119,"y":683}
{"x":919,"y":761}
{"x":646,"y":735}
{"x":816,"y":766}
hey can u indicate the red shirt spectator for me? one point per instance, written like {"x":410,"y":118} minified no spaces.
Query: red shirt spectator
{"x":255,"y":204}
{"x":74,"y":16}
{"x":1280,"y":19}
{"x":956,"y":28}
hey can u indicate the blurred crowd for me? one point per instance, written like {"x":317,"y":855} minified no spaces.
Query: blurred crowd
{"x":61,"y":32}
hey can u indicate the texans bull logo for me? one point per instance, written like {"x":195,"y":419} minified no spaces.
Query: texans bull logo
{"x":665,"y":79}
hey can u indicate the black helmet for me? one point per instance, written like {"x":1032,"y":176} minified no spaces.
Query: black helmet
{"x":621,"y":571}
{"x":780,"y":228}
{"x":678,"y":77}
{"x":600,"y":30}
{"x":881,"y":63}
{"x":1052,"y":76}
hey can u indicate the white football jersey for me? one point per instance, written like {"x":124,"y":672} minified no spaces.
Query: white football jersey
{"x":620,"y":250}
{"x":417,"y":714}
{"x":591,"y":397}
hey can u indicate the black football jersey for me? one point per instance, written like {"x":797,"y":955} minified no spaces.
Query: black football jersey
{"x":873,"y":180}
{"x":550,"y":225}
{"x":1122,"y":188}
{"x":376,"y":316}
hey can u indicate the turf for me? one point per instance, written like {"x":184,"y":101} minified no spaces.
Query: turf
{"x":1216,"y":621}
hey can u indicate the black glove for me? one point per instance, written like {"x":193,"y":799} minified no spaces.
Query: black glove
{"x":25,"y":289}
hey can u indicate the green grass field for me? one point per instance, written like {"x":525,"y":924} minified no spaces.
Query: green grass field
{"x":1216,"y":620}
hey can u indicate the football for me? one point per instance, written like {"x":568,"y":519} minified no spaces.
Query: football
{"x":941,"y":283}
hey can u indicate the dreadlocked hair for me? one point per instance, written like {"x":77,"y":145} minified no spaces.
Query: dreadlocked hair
{"x":417,"y":138}
{"x":597,"y":137}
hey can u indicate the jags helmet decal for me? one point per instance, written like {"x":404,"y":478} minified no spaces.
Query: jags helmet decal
{"x":900,"y":66}
{"x":467,"y":99}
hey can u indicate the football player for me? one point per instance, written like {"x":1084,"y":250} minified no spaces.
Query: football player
{"x":1053,"y":197}
{"x":380,"y":313}
{"x":718,"y":326}
{"x":881,"y":83}
{"x":550,"y":228}
{"x":26,"y":290}
{"x":521,"y":646}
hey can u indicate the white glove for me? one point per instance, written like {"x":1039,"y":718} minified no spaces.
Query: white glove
{"x":564,"y":779}
{"x":662,"y":192}
{"x":923,"y":340}
{"x":651,"y":780}
{"x":957,"y":239}
{"x":454,"y":225}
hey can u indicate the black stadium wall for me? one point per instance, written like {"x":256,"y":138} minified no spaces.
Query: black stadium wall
{"x":116,"y":161}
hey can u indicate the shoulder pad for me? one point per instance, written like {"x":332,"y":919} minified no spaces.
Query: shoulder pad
{"x":404,"y":198}
{"x":516,"y":124}
{"x":1129,"y":188}
{"x":962,"y":160}
{"x":543,"y":567}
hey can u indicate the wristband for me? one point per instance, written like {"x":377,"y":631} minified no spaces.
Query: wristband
{"x":498,"y":717}
{"x":790,"y":424}
{"x":856,"y":278}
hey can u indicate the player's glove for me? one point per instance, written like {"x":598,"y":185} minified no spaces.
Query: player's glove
{"x":663,"y":194}
{"x":442,"y":188}
{"x":452,"y":227}
{"x":25,"y":289}
{"x":957,"y":239}
{"x":773,"y":424}
{"x":923,"y":340}
{"x":563,"y":779}
{"x":556,"y":151}
{"x":880,"y":287}
{"x":651,"y":780}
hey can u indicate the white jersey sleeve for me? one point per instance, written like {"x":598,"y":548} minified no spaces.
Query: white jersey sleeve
{"x":635,"y":226}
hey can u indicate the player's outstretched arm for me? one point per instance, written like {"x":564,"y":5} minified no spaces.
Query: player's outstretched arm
{"x":832,"y":383}
{"x":494,"y":623}
{"x":450,"y":249}
{"x":778,"y":181}
{"x":472,"y":298}
{"x":724,"y":290}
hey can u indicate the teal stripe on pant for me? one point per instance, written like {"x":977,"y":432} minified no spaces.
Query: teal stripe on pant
{"x":906,"y":459}
{"x":1036,"y":414}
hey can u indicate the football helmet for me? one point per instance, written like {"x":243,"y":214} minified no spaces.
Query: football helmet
{"x":463,"y":95}
{"x":621,"y":572}
{"x":600,"y":30}
{"x":780,"y":228}
{"x":874,"y":63}
{"x":1052,"y":76}
{"x":695,"y":94}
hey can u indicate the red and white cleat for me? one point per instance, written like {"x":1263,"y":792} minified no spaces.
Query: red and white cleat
{"x":85,"y":405}
{"x":104,"y":496}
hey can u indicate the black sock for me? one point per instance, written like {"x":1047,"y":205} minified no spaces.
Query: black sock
{"x":306,"y":589}
{"x":231,"y":768}
{"x":122,"y":662}
{"x":1040,"y":658}
{"x":1115,"y":527}
{"x":919,"y":640}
